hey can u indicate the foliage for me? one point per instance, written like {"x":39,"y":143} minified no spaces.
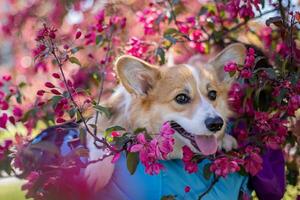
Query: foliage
{"x":75,"y":63}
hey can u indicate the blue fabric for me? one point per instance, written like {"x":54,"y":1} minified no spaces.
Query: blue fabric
{"x":170,"y":181}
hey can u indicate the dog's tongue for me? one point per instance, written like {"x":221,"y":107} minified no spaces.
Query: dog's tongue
{"x":207,"y":144}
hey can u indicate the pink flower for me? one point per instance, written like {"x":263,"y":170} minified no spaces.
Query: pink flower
{"x":157,"y":148}
{"x":3,"y":120}
{"x":4,"y":105}
{"x":253,"y":161}
{"x":189,"y":165}
{"x":246,"y":73}
{"x":223,"y":166}
{"x":150,"y":18}
{"x":266,"y":36}
{"x":187,"y":189}
{"x":250,"y":58}
{"x":272,"y":142}
{"x":183,"y":28}
{"x":17,"y":112}
{"x":136,"y":47}
{"x":6,"y":77}
{"x":261,"y":121}
{"x":196,"y":43}
{"x":230,"y":67}
{"x":282,"y":49}
{"x":116,"y":157}
{"x":49,"y":85}
{"x":235,"y":97}
{"x":115,"y":134}
{"x":78,"y":34}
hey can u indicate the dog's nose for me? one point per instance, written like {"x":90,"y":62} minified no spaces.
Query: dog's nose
{"x":214,"y":124}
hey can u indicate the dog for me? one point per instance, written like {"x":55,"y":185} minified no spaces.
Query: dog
{"x":192,"y":95}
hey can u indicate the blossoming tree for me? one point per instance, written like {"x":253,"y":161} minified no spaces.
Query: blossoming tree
{"x":58,"y":67}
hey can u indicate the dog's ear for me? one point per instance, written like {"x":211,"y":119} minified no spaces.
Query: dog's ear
{"x":136,"y":75}
{"x":235,"y":52}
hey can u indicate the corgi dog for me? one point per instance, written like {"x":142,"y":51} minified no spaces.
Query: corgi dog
{"x":192,"y":96}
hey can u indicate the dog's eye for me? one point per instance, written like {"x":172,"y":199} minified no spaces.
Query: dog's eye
{"x":182,"y":99}
{"x":212,"y":95}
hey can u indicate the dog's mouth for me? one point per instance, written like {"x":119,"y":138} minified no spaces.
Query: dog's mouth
{"x":206,"y":144}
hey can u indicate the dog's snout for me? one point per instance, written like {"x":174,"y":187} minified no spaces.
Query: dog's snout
{"x":214,"y":124}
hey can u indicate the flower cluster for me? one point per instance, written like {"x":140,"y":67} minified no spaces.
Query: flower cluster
{"x":150,"y":18}
{"x":224,"y":166}
{"x":136,"y":47}
{"x":190,"y":164}
{"x":243,"y":9}
{"x":150,"y":152}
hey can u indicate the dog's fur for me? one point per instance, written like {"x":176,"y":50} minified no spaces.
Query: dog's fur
{"x":145,"y":98}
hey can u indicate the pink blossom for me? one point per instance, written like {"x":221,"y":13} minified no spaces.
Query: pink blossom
{"x":266,"y":36}
{"x":49,"y":85}
{"x":235,"y":97}
{"x":157,"y":148}
{"x":6,"y":77}
{"x":136,"y":47}
{"x":150,"y":18}
{"x":78,"y":34}
{"x":253,"y":161}
{"x":187,"y":189}
{"x":261,"y":121}
{"x":230,"y":67}
{"x":272,"y":142}
{"x":246,"y":73}
{"x":196,"y":43}
{"x":189,"y":165}
{"x":115,"y":134}
{"x":250,"y":58}
{"x":116,"y":157}
{"x":282,"y":49}
{"x":4,"y":105}
{"x":3,"y":120}
{"x":223,"y":166}
{"x":17,"y":112}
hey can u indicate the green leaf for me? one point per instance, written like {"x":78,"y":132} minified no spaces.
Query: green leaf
{"x":99,"y":39}
{"x":206,"y":171}
{"x":271,"y":73}
{"x":54,"y":100}
{"x":140,"y":130}
{"x":168,"y":197}
{"x":22,"y":84}
{"x":171,"y":39}
{"x":76,"y":49}
{"x":262,"y":2}
{"x":161,"y":54}
{"x":72,"y":112}
{"x":19,"y":97}
{"x":108,"y":131}
{"x":132,"y":162}
{"x":103,"y":109}
{"x":203,"y":10}
{"x":28,"y":114}
{"x":74,"y":60}
{"x":231,"y":74}
{"x":170,"y":31}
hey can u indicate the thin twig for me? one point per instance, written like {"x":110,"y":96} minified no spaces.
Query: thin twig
{"x":216,"y":179}
{"x":102,"y":77}
{"x":103,"y":141}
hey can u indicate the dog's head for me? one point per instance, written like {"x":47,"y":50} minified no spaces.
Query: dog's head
{"x":192,"y":98}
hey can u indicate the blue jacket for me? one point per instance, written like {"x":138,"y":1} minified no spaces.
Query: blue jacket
{"x":171,"y":181}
